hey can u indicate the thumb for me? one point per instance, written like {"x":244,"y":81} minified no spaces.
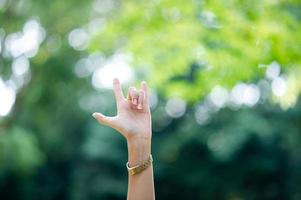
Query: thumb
{"x":108,"y":121}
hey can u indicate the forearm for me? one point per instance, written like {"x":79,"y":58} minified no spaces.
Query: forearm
{"x":140,"y":186}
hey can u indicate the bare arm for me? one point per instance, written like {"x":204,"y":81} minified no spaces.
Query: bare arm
{"x":133,"y":121}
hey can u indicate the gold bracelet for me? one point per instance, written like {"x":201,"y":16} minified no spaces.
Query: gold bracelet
{"x":139,"y":168}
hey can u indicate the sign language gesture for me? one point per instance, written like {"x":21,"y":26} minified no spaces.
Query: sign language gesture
{"x":133,"y":119}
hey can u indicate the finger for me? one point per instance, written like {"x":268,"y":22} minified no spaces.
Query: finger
{"x":130,"y":92}
{"x":145,"y":90}
{"x":117,"y":90}
{"x":108,"y":121}
{"x":134,"y":96}
{"x":140,"y":99}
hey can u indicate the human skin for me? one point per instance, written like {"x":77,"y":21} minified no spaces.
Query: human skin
{"x":133,"y":121}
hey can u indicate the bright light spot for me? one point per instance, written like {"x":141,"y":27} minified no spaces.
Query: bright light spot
{"x":292,"y":89}
{"x":86,"y":66}
{"x":245,"y":94}
{"x":175,"y":107}
{"x":7,"y":98}
{"x":202,"y":114}
{"x":236,"y":94}
{"x":251,"y":95}
{"x":273,"y":70}
{"x":26,"y":42}
{"x":21,"y":73}
{"x":78,"y":39}
{"x":264,"y":88}
{"x":208,"y":18}
{"x":96,"y":26}
{"x":80,"y":68}
{"x":20,"y":66}
{"x":103,"y":6}
{"x":219,"y":96}
{"x":33,"y":29}
{"x":116,"y":67}
{"x":279,"y":86}
{"x":199,"y":53}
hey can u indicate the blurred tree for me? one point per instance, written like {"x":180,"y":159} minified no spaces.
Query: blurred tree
{"x":220,"y":42}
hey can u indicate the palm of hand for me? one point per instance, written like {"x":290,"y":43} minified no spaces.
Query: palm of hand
{"x":133,"y":123}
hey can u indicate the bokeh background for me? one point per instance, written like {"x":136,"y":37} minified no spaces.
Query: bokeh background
{"x":225,"y":97}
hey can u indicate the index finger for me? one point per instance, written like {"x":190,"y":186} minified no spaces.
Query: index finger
{"x":117,"y":90}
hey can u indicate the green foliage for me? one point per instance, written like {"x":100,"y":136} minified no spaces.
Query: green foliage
{"x":226,"y":41}
{"x":19,"y":151}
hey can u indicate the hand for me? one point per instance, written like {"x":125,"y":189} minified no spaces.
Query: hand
{"x":133,"y":119}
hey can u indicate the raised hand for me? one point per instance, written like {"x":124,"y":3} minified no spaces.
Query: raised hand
{"x":133,"y":119}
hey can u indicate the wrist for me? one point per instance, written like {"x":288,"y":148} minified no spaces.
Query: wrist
{"x":139,"y":150}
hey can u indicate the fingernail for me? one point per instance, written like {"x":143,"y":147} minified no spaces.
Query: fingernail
{"x":135,"y":102}
{"x":96,"y":114}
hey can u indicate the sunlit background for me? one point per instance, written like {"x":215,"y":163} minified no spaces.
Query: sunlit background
{"x":225,"y":87}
